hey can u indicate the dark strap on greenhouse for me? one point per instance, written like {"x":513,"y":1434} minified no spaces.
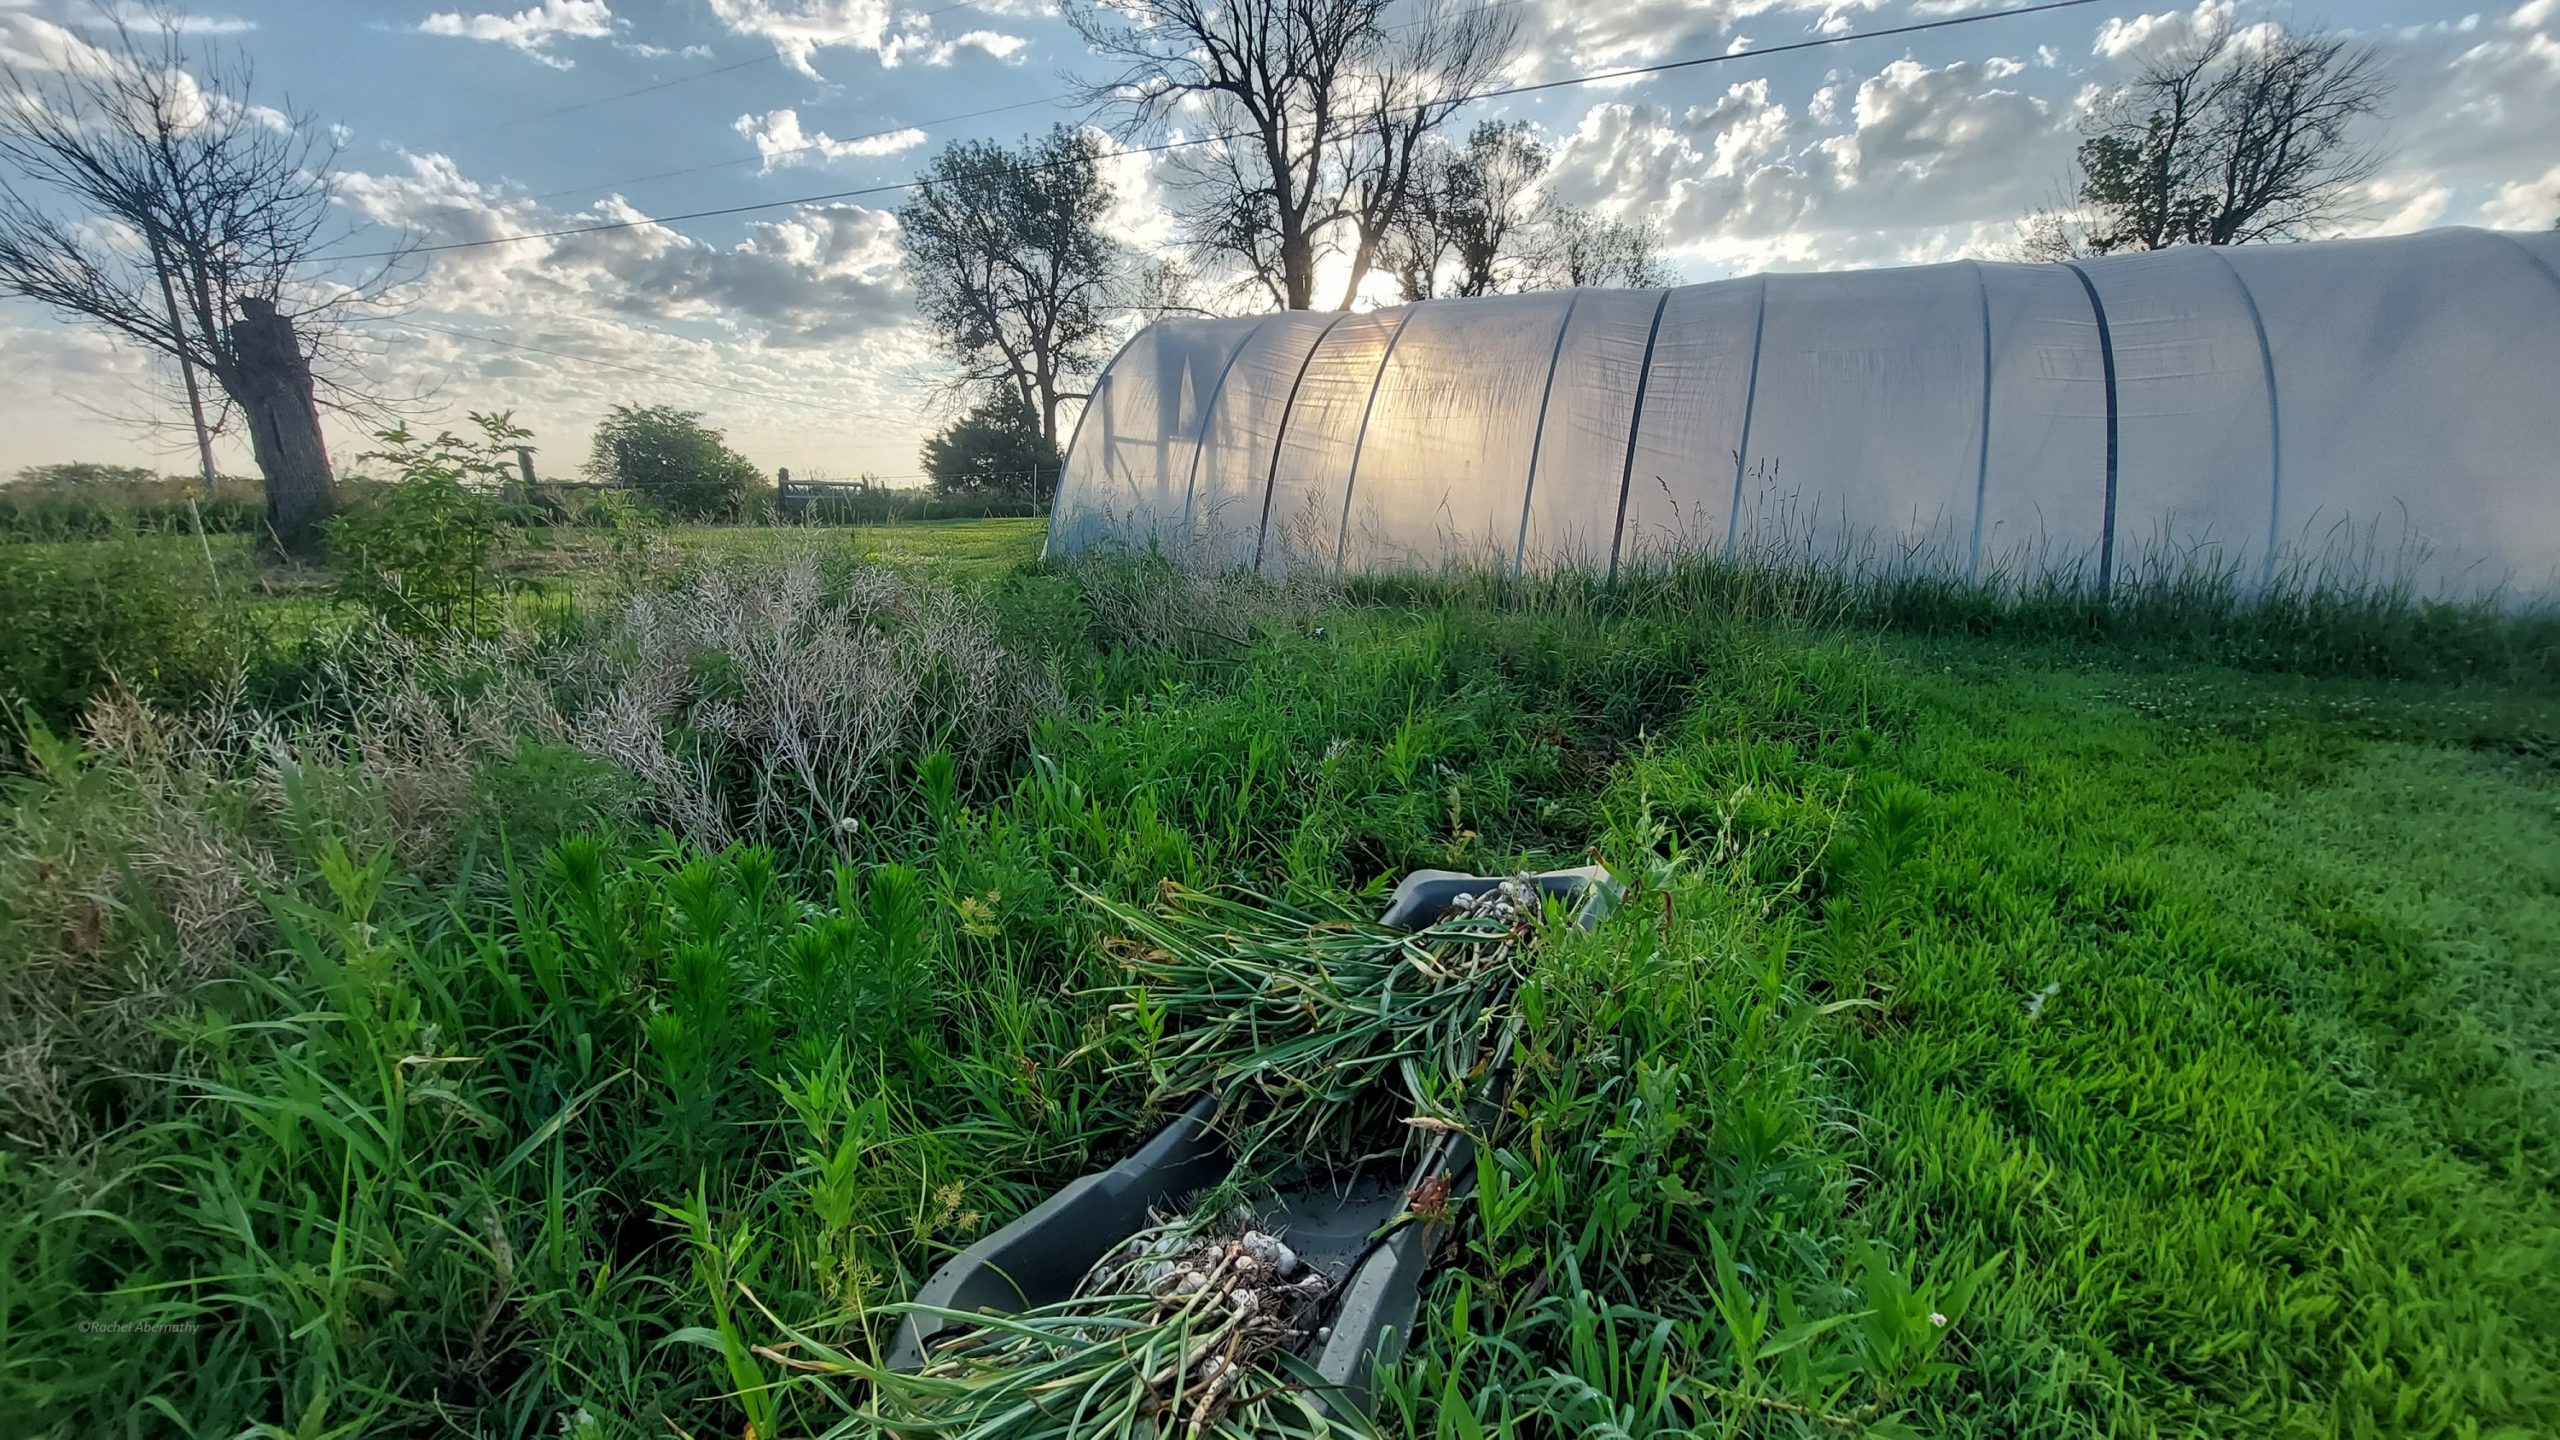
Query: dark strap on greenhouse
{"x":1538,"y":436}
{"x":1750,"y":398}
{"x":1342,"y":537}
{"x":1208,"y":411}
{"x":2526,"y":251}
{"x":1057,"y":493}
{"x":1635,"y":427}
{"x":2275,"y":417}
{"x":2107,"y":363}
{"x":1280,"y":437}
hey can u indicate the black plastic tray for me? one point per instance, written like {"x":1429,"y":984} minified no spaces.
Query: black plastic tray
{"x":1333,"y":1226}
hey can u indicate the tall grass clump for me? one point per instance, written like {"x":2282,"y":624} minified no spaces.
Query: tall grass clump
{"x":41,"y":508}
{"x":778,"y":699}
{"x":1179,"y":601}
{"x":140,"y":854}
{"x":85,"y":617}
{"x":370,"y":1063}
{"x":2313,"y":612}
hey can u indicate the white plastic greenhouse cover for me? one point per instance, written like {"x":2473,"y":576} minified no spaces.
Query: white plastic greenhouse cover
{"x":2366,"y":409}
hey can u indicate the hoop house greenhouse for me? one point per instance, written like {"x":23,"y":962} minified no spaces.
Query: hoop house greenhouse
{"x":2384,"y":408}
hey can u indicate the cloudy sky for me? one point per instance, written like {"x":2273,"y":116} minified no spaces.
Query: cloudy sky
{"x":789,"y":327}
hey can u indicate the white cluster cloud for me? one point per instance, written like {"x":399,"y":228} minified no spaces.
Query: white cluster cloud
{"x":43,"y":51}
{"x":993,"y":44}
{"x":780,"y":141}
{"x":2525,"y":204}
{"x":531,"y":30}
{"x":1141,"y":211}
{"x":660,"y":52}
{"x":799,"y":29}
{"x":1561,"y":36}
{"x":1749,"y":181}
{"x":1938,"y":146}
{"x":813,"y":276}
{"x":2125,"y":37}
{"x":30,"y":42}
{"x":142,"y":16}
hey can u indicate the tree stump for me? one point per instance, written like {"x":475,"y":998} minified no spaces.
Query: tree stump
{"x":275,"y":393}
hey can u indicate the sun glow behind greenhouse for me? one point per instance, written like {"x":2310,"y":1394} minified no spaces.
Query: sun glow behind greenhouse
{"x":2380,"y":410}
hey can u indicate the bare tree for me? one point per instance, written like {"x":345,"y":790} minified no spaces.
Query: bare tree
{"x":1010,"y":265}
{"x":141,"y":190}
{"x":1162,"y":285}
{"x":1485,"y":222}
{"x":2237,"y":137}
{"x":1582,"y":247}
{"x":1323,"y":112}
{"x":1468,"y":228}
{"x":1421,"y":76}
{"x":2053,"y":231}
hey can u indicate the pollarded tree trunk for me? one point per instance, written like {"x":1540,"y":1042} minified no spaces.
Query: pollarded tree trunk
{"x":273,"y":388}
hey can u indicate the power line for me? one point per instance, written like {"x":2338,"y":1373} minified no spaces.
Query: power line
{"x":634,"y":369}
{"x":1166,"y":146}
{"x":602,"y":100}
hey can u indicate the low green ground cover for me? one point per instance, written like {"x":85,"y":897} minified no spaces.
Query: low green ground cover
{"x":2041,"y":1031}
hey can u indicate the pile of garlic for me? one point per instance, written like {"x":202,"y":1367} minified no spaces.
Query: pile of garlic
{"x":1244,"y":1293}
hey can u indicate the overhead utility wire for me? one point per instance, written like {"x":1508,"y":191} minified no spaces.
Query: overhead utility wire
{"x":1163,"y":147}
{"x":600,"y":100}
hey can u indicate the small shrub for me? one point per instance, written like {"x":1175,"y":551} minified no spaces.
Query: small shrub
{"x":416,"y":552}
{"x":633,"y":536}
{"x":82,"y":616}
{"x":669,"y":457}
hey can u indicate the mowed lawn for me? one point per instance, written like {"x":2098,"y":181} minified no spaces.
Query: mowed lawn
{"x":2224,"y":1010}
{"x":962,"y":549}
{"x":2195,"y":1030}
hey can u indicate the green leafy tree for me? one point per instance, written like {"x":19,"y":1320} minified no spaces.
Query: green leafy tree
{"x":670,"y":458}
{"x":417,"y":553}
{"x":994,"y":450}
{"x":1010,"y":266}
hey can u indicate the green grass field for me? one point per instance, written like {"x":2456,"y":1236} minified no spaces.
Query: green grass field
{"x":967,"y":548}
{"x":2004,"y":1035}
